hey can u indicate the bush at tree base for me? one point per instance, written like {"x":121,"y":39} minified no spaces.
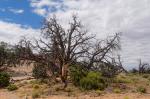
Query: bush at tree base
{"x":93,"y":80}
{"x":77,"y":73}
{"x":87,"y":79}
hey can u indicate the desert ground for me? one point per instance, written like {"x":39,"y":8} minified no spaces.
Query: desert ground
{"x":29,"y":88}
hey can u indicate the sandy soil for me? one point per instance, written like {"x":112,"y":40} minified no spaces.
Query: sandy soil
{"x":11,"y":95}
{"x":8,"y":95}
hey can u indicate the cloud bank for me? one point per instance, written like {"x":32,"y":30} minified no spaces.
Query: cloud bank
{"x":12,"y":32}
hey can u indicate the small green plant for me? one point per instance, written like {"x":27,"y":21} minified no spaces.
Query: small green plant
{"x":12,"y":87}
{"x":4,"y":79}
{"x":141,"y":89}
{"x":99,"y":92}
{"x":36,"y":86}
{"x":126,"y":97}
{"x":117,"y":90}
{"x":36,"y":93}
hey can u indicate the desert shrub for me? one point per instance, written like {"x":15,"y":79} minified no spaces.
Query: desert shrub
{"x":39,"y":71}
{"x":4,"y":79}
{"x":36,"y":86}
{"x":93,"y":80}
{"x":117,"y":90}
{"x":145,"y":75}
{"x":123,"y":79}
{"x":77,"y":73}
{"x":141,"y":89}
{"x":12,"y":87}
{"x":35,"y":95}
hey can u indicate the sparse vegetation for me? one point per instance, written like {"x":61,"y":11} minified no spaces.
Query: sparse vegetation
{"x":141,"y":89}
{"x":12,"y":87}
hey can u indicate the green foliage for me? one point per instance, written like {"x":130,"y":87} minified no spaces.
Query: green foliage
{"x":141,"y":89}
{"x":77,"y":73}
{"x":39,"y":71}
{"x":93,"y":80}
{"x":4,"y":79}
{"x":12,"y":87}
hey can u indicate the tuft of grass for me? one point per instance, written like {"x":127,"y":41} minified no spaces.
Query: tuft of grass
{"x":36,"y":93}
{"x":99,"y":92}
{"x":36,"y":86}
{"x":145,"y":75}
{"x":126,"y":97}
{"x":68,"y":90}
{"x":57,"y":89}
{"x":117,"y":90}
{"x":12,"y":87}
{"x":141,"y":89}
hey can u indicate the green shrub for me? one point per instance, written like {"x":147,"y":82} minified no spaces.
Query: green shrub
{"x":12,"y":87}
{"x":141,"y":89}
{"x":4,"y":79}
{"x":117,"y":90}
{"x":39,"y":71}
{"x":93,"y":80}
{"x":77,"y":73}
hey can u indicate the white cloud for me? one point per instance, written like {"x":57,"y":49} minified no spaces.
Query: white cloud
{"x":40,"y":11}
{"x":41,"y":7}
{"x":16,"y":11}
{"x":103,"y":17}
{"x":12,"y":32}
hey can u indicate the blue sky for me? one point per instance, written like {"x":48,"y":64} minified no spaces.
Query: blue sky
{"x":102,"y":17}
{"x":27,"y":17}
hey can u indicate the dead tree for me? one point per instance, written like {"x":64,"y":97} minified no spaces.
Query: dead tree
{"x":143,"y":67}
{"x":62,"y":47}
{"x":100,"y":57}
